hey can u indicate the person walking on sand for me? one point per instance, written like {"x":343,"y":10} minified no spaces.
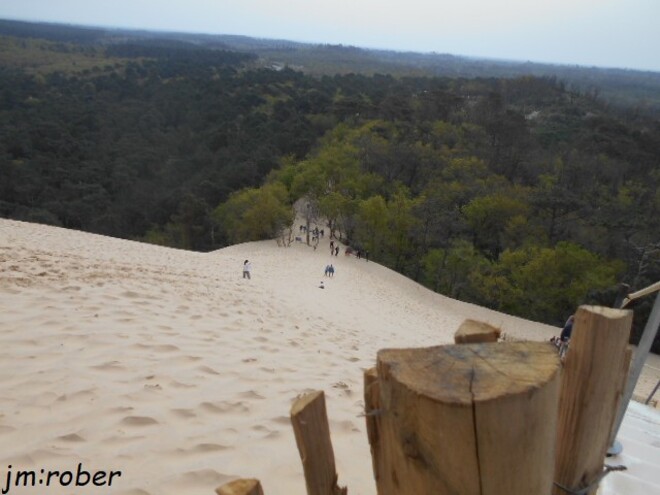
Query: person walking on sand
{"x":247,"y":268}
{"x":331,"y":271}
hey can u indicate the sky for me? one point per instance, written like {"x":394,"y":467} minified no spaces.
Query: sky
{"x":604,"y":33}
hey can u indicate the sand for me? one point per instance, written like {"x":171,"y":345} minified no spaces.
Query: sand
{"x":169,"y":366}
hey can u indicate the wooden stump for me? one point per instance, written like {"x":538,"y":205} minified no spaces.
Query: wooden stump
{"x":241,"y":487}
{"x":590,"y":393}
{"x":310,"y":426}
{"x":474,"y":332}
{"x":471,"y":419}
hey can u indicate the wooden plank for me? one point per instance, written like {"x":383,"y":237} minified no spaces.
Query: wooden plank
{"x":589,"y":394}
{"x":310,"y":425}
{"x":474,"y":332}
{"x":241,"y":487}
{"x":469,"y":419}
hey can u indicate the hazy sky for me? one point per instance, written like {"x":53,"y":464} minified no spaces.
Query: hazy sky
{"x":606,"y":33}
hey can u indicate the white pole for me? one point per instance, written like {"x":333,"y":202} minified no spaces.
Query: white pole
{"x":642,"y":352}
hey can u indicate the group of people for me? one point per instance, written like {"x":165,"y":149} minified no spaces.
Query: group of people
{"x":329,"y":271}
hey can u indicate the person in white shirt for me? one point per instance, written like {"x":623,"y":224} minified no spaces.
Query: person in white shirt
{"x":247,"y":268}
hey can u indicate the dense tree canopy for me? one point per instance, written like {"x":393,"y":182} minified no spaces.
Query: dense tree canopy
{"x":517,"y":194}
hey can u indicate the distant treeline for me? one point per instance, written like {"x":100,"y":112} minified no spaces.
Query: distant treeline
{"x":633,"y":90}
{"x":519,"y":194}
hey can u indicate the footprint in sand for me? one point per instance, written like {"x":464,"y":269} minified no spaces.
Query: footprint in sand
{"x":208,"y":369}
{"x":6,"y":429}
{"x":138,"y":421}
{"x":201,"y":448}
{"x":225,"y":407}
{"x":177,"y":384}
{"x":208,"y":447}
{"x":109,"y":366}
{"x":282,"y":420}
{"x":120,"y":410}
{"x":250,"y":394}
{"x":183,"y":413}
{"x":130,"y":294}
{"x":122,"y":440}
{"x":81,"y":394}
{"x":165,"y":348}
{"x":71,"y":437}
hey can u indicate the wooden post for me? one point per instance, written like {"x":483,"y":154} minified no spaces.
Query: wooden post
{"x":310,"y":426}
{"x":241,"y":487}
{"x":474,"y":332}
{"x":372,"y":412}
{"x":589,"y":395}
{"x":470,"y":419}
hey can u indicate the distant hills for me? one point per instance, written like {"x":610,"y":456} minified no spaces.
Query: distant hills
{"x":632,"y":89}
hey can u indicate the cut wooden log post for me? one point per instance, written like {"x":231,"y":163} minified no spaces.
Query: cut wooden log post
{"x":469,"y":419}
{"x":310,"y":426}
{"x":474,"y":332}
{"x":589,"y":395}
{"x":241,"y":487}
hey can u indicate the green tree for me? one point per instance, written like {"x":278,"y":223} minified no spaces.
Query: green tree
{"x":255,"y":214}
{"x":490,"y":216}
{"x":546,"y":284}
{"x":450,"y":271}
{"x":401,"y":223}
{"x":372,"y":218}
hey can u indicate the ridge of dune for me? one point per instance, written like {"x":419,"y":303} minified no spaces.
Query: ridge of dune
{"x":169,"y":366}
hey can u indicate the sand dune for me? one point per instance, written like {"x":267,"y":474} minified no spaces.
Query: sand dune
{"x":169,"y":366}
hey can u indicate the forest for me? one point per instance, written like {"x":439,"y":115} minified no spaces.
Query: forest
{"x":523,"y":194}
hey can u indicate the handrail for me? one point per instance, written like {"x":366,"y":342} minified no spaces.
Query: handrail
{"x":640,"y":293}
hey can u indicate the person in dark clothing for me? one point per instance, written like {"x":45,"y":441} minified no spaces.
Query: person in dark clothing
{"x":567,"y":330}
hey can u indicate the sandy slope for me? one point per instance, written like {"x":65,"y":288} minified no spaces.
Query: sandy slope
{"x":170,"y":367}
